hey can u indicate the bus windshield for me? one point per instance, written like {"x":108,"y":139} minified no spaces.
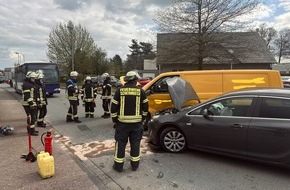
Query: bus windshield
{"x":50,"y":72}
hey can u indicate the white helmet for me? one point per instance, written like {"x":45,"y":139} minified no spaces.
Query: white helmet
{"x":73,"y":74}
{"x":31,"y":74}
{"x":88,"y":78}
{"x":39,"y":74}
{"x":132,"y":75}
{"x":105,"y":75}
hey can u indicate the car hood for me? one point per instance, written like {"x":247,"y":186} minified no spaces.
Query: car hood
{"x":180,"y":92}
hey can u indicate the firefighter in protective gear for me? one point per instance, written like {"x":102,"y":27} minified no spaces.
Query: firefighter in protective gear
{"x":73,"y":97}
{"x":29,"y":101}
{"x":106,"y":94}
{"x":128,"y":111}
{"x":41,"y":99}
{"x":89,"y":93}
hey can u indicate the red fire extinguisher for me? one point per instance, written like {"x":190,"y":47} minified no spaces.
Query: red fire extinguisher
{"x":47,"y":142}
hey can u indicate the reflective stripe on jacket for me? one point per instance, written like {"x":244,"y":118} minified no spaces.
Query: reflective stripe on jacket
{"x":72,"y":90}
{"x":28,"y":93}
{"x":130,"y":104}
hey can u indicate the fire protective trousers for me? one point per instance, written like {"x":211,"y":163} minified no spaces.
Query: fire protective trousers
{"x":133,"y":132}
{"x":32,"y":113}
{"x":89,"y":108}
{"x":73,"y":110}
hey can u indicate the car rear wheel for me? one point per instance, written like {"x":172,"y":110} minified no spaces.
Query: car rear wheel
{"x":173,"y":140}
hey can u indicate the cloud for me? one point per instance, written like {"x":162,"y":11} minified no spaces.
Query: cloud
{"x":111,"y":23}
{"x":25,"y":25}
{"x":285,"y":4}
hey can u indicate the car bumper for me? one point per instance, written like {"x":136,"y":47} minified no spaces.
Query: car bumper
{"x":153,"y":132}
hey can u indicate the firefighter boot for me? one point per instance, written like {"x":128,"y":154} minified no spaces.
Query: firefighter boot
{"x":107,"y":115}
{"x":41,"y":124}
{"x":92,"y":115}
{"x":69,"y":119}
{"x":87,"y":115}
{"x":77,"y":120}
{"x":33,"y":132}
{"x":28,"y":130}
{"x":134,"y":165}
{"x":118,"y":167}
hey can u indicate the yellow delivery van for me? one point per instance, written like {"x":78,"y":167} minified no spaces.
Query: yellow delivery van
{"x":208,"y":84}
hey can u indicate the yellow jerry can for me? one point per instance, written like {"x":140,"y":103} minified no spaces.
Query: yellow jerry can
{"x":45,"y":164}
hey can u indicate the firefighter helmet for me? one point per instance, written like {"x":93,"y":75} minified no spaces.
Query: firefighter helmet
{"x":131,"y":76}
{"x":31,"y":74}
{"x":105,"y":76}
{"x":73,"y":74}
{"x":39,"y":74}
{"x":88,"y":78}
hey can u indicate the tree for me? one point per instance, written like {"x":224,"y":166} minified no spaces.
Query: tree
{"x":267,"y":33}
{"x":282,"y":43}
{"x":100,"y":62}
{"x":139,"y":52}
{"x":117,"y":65}
{"x":202,"y":18}
{"x":71,"y":47}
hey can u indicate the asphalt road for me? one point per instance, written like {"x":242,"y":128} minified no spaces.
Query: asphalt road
{"x":92,"y":143}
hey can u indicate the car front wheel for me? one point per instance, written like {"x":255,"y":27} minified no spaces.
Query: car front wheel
{"x":172,"y":140}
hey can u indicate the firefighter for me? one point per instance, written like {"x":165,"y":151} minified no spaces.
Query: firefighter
{"x":106,"y":94}
{"x":128,"y":111}
{"x":29,"y":101}
{"x":72,"y":91}
{"x":41,"y":99}
{"x":89,"y":93}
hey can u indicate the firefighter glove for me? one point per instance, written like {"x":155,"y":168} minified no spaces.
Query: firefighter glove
{"x":115,"y":125}
{"x":33,"y":106}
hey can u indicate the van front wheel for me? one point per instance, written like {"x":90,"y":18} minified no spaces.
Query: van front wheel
{"x":173,"y":140}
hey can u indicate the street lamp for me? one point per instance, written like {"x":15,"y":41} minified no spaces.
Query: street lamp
{"x":70,"y":27}
{"x":18,"y":57}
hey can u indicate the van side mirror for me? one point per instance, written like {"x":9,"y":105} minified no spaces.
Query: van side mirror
{"x":148,"y":92}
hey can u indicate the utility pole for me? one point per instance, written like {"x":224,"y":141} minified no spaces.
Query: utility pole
{"x":70,"y":28}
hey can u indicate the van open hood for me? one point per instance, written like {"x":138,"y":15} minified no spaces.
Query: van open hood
{"x":180,"y":92}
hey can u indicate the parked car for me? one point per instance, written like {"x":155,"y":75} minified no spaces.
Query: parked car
{"x":98,"y":81}
{"x":115,"y":82}
{"x":141,"y":82}
{"x":2,"y":78}
{"x":251,"y":124}
{"x":286,"y":81}
{"x":144,"y":80}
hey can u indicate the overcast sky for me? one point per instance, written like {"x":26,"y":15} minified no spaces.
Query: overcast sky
{"x":26,"y":24}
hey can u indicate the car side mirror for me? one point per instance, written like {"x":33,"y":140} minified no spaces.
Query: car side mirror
{"x":207,"y":114}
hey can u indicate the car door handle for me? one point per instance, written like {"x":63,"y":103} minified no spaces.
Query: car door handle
{"x":236,"y":126}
